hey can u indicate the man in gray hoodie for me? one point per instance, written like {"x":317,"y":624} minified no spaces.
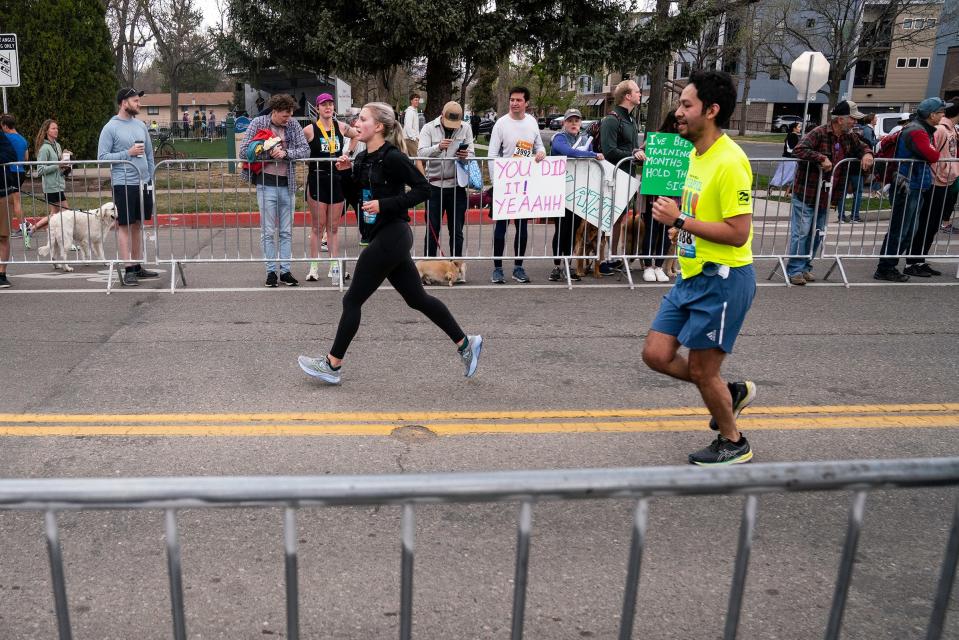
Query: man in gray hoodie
{"x":126,"y":138}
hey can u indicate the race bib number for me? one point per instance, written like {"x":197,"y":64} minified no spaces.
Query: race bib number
{"x":325,"y":146}
{"x":524,"y":149}
{"x":686,"y":244}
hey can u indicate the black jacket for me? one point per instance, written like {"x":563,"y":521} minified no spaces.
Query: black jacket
{"x":384,"y":176}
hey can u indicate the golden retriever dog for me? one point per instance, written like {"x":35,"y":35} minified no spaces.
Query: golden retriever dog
{"x":85,"y":229}
{"x":441,"y":271}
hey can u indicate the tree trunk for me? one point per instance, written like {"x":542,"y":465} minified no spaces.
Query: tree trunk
{"x":744,"y":108}
{"x":655,"y":110}
{"x":439,"y":85}
{"x":174,"y":98}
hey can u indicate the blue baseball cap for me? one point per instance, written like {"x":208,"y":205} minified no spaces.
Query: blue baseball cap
{"x":929,"y":106}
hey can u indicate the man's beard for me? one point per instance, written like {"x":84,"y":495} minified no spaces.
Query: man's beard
{"x":131,"y":111}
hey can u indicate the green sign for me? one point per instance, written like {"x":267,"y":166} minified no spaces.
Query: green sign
{"x":667,"y":162}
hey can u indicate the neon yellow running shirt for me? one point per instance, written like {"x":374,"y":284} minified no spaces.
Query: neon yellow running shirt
{"x":718,"y":186}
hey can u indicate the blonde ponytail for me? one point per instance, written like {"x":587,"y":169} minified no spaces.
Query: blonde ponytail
{"x":392,"y":133}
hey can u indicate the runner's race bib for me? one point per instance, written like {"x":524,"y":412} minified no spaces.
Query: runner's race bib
{"x":524,"y":149}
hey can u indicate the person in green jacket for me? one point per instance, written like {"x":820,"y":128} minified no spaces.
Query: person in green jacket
{"x":53,"y":175}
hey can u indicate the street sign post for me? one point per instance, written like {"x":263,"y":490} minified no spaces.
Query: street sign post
{"x":808,"y":73}
{"x":9,"y":64}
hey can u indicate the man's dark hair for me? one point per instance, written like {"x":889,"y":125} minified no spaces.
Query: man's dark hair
{"x":522,"y":90}
{"x":715,"y":87}
{"x":413,"y":96}
{"x":281,"y":102}
{"x":952,"y":109}
{"x":8,"y":121}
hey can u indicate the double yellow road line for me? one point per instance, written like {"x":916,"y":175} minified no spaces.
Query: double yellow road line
{"x":452,"y":423}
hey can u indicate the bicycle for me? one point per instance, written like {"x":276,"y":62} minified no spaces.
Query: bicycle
{"x":165,"y":148}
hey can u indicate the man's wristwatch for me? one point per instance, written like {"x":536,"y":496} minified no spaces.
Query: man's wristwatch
{"x":679,"y":222}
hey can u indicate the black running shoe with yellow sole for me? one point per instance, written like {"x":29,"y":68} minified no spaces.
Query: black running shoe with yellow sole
{"x":722,"y":452}
{"x":743,"y":394}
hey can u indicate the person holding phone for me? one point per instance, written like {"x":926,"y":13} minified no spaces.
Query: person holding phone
{"x":124,"y":138}
{"x":380,"y":175}
{"x":447,"y":140}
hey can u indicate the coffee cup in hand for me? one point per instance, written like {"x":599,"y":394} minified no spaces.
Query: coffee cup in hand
{"x":66,"y":156}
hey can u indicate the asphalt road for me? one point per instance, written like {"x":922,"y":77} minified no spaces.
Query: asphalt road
{"x":146,"y":353}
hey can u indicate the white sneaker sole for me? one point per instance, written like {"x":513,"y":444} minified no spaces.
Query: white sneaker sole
{"x":304,"y":363}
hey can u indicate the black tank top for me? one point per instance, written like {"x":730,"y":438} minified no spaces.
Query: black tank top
{"x":319,"y":146}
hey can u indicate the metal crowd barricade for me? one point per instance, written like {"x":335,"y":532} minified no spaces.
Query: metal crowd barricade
{"x":534,"y":239}
{"x":89,"y":196}
{"x":526,"y":487}
{"x":207,"y":216}
{"x":772,"y":193}
{"x":870,"y":203}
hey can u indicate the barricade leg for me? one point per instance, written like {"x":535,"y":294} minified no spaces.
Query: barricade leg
{"x":522,"y":569}
{"x":845,"y":566}
{"x":408,"y":534}
{"x":57,"y":576}
{"x":742,"y":564}
{"x":292,"y":580}
{"x":946,"y":579}
{"x":176,"y":576}
{"x":636,"y":546}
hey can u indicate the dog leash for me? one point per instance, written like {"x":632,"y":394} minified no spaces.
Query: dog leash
{"x":435,"y":235}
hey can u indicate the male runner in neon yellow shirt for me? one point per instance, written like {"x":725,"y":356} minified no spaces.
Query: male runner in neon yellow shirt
{"x":705,"y":310}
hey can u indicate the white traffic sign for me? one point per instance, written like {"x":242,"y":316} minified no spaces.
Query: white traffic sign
{"x":9,"y":62}
{"x":809,"y":72}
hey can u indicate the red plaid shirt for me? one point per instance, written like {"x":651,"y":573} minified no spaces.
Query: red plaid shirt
{"x":816,"y":146}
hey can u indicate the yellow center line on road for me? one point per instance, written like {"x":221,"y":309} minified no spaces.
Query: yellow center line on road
{"x":451,"y":423}
{"x":425,"y":416}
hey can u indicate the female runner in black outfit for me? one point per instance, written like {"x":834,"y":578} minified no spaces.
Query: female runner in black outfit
{"x":379,"y":178}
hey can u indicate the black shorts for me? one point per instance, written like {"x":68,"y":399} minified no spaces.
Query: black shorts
{"x":56,"y":197}
{"x":10,"y":183}
{"x":325,"y":187}
{"x":127,"y":200}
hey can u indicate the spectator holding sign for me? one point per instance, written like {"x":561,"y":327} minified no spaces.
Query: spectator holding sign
{"x":573,"y":143}
{"x":514,"y":135}
{"x":656,"y":240}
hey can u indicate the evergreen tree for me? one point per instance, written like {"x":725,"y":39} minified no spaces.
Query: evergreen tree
{"x":66,"y":69}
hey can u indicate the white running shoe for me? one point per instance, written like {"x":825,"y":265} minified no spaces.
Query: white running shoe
{"x":660,"y":275}
{"x":649,"y":275}
{"x":314,"y":273}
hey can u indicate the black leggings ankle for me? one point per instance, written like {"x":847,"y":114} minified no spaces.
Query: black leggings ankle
{"x":388,"y":257}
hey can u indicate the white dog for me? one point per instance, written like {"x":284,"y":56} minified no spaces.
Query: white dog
{"x":85,"y":229}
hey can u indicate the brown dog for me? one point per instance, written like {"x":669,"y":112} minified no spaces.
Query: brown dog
{"x":585,"y":243}
{"x":671,"y":266}
{"x":441,"y":271}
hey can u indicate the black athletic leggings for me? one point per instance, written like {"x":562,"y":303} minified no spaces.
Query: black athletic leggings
{"x":388,"y":257}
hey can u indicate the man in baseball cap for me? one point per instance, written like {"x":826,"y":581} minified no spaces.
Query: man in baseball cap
{"x":448,"y":141}
{"x":847,"y":108}
{"x":128,"y":92}
{"x":914,"y":144}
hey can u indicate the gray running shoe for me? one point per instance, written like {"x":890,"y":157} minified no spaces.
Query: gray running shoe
{"x":319,"y":368}
{"x":722,"y":452}
{"x":519,"y":275}
{"x":471,"y":354}
{"x":743,"y":394}
{"x":497,"y":277}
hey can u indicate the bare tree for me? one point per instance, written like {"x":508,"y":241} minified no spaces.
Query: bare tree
{"x":180,"y":42}
{"x":129,"y":37}
{"x":845,"y":31}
